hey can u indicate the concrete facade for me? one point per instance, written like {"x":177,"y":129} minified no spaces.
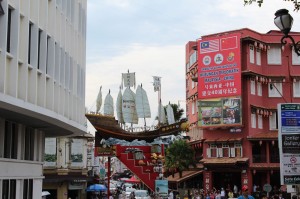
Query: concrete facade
{"x":42,"y":86}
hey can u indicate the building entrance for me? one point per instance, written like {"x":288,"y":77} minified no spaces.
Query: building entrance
{"x":226,"y":180}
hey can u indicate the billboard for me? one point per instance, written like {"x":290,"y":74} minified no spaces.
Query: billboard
{"x":289,"y":142}
{"x":220,"y":112}
{"x":219,"y":66}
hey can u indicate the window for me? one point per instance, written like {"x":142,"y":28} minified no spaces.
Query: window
{"x":253,"y":120}
{"x":296,"y":88}
{"x":29,"y":42}
{"x":275,"y":89}
{"x":10,"y":140}
{"x":273,"y":121}
{"x":236,"y":150}
{"x":251,"y":54}
{"x":225,"y":150}
{"x":259,"y":89}
{"x":258,"y":56}
{"x":193,"y":84}
{"x":8,"y":30}
{"x":39,"y":48}
{"x":27,"y":188}
{"x":212,"y":151}
{"x":48,"y":54}
{"x":252,"y":87}
{"x":9,"y":189}
{"x":274,"y":55}
{"x":29,"y":144}
{"x":260,"y":121}
{"x":295,"y":58}
{"x":193,"y":58}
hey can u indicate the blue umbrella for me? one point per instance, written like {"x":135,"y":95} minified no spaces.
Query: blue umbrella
{"x":96,"y":187}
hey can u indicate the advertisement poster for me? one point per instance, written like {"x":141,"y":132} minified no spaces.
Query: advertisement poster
{"x":219,"y":112}
{"x":161,"y":188}
{"x":219,"y":67}
{"x":76,"y":152}
{"x":50,"y":152}
{"x":289,"y":142}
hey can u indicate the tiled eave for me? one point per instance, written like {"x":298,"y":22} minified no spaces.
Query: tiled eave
{"x":264,"y":166}
{"x":224,"y":161}
{"x":272,"y":135}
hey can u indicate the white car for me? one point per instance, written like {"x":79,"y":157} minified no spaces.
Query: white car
{"x":141,"y":194}
{"x":128,"y":191}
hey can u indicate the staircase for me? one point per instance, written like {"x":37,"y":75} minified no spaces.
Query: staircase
{"x":139,"y":160}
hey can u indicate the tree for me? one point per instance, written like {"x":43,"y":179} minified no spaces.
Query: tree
{"x":259,"y":2}
{"x":178,"y":112}
{"x":179,"y":156}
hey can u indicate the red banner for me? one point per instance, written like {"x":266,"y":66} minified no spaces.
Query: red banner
{"x":219,"y":67}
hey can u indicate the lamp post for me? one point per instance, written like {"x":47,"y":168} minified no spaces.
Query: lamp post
{"x":284,"y":21}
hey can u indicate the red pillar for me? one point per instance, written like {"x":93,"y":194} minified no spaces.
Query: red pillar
{"x":108,"y":176}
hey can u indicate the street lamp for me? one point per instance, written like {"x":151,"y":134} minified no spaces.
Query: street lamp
{"x":284,"y":21}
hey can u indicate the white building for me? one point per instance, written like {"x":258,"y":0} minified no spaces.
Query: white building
{"x":42,"y":86}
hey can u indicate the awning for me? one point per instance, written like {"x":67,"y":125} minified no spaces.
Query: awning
{"x":224,"y":139}
{"x":265,"y":166}
{"x":224,"y":161}
{"x":185,"y":176}
{"x":272,"y":135}
{"x":69,"y":178}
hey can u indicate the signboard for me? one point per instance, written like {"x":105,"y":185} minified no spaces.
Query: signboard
{"x":161,"y":188}
{"x":289,"y":142}
{"x":220,"y":112}
{"x":219,"y":66}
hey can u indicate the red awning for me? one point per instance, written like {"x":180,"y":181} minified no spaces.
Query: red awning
{"x":132,"y":180}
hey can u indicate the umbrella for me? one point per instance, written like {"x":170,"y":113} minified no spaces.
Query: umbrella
{"x":45,"y":193}
{"x":96,"y":187}
{"x":132,"y":180}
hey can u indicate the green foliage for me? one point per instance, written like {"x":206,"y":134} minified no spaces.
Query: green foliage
{"x":180,"y":155}
{"x":50,"y":157}
{"x":259,"y":2}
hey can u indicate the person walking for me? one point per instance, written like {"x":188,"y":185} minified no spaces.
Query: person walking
{"x":245,"y":193}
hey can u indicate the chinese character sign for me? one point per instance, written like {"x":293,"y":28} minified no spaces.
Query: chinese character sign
{"x":219,"y":65}
{"x":156,"y":83}
{"x":289,"y":142}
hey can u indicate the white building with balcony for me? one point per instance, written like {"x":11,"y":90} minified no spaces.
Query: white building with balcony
{"x":42,"y":86}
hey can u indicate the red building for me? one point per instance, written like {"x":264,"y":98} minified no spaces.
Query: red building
{"x":234,"y":81}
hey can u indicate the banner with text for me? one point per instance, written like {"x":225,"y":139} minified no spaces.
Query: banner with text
{"x":219,"y":66}
{"x":289,"y":142}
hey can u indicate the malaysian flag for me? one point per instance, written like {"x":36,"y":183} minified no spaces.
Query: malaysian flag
{"x":209,"y":46}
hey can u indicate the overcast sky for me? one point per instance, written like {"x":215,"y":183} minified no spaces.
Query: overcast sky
{"x":148,"y":37}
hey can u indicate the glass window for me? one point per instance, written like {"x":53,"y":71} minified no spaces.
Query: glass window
{"x":273,"y":121}
{"x":252,"y":83}
{"x":258,"y":56}
{"x":259,"y":89}
{"x":275,"y":89}
{"x":295,"y":58}
{"x":296,"y":88}
{"x":193,"y":108}
{"x":10,"y":140}
{"x":253,"y":120}
{"x":260,"y":121}
{"x":251,"y":54}
{"x":274,"y":55}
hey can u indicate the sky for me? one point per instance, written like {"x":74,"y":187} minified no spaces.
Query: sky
{"x":148,"y":37}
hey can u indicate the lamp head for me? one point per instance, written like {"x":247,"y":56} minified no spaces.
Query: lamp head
{"x":283,"y":20}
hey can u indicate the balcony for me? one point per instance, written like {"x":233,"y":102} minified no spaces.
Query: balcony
{"x":259,"y":158}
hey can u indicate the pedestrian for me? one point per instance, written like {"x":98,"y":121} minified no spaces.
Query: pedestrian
{"x":223,"y":194}
{"x":245,"y":193}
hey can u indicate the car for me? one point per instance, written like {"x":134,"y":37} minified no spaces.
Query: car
{"x":128,"y":191}
{"x":141,"y":194}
